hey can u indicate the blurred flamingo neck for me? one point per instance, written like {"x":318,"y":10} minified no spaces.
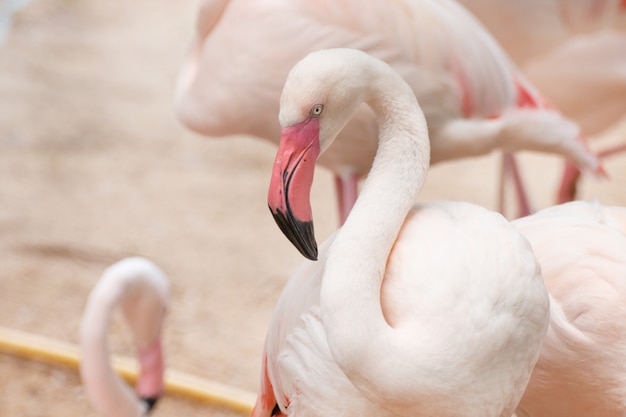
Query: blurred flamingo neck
{"x":350,"y":294}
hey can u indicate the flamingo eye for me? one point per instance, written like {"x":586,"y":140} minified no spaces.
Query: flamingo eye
{"x":316,"y":111}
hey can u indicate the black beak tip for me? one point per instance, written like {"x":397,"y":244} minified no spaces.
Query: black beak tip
{"x":299,"y":233}
{"x":150,"y":402}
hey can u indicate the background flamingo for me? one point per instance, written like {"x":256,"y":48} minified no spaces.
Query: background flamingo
{"x":581,"y":248}
{"x":573,"y":53}
{"x":411,"y":310}
{"x":586,"y":79}
{"x":140,"y":289}
{"x":459,"y":74}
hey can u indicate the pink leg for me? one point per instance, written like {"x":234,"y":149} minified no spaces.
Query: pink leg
{"x":511,"y":168}
{"x":569,"y":183}
{"x":504,"y":173}
{"x":347,"y":191}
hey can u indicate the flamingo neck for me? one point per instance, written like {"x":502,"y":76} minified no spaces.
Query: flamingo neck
{"x":108,"y":394}
{"x":139,"y":289}
{"x":95,"y":324}
{"x":350,"y":296}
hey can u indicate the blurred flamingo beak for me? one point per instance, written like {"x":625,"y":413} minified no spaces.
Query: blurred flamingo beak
{"x":151,"y":368}
{"x":292,"y":176}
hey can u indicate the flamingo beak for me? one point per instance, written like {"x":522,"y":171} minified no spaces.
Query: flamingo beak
{"x":290,"y":187}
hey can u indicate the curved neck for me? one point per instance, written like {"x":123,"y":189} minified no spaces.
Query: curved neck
{"x":140,"y":288}
{"x":107,"y":393}
{"x":351,"y":288}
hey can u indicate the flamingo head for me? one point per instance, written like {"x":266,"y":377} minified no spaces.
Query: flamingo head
{"x":316,"y":104}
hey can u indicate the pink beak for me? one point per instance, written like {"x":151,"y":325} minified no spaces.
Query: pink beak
{"x":292,"y":176}
{"x":151,"y":368}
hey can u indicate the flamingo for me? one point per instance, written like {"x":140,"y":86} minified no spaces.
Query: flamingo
{"x":429,"y":309}
{"x":230,"y":82}
{"x":573,"y":52}
{"x":141,"y":290}
{"x":596,"y":66}
{"x":581,"y":372}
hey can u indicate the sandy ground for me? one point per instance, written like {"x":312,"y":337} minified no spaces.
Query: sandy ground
{"x":94,"y":167}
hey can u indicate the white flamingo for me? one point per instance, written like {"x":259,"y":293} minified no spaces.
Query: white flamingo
{"x":581,"y":371}
{"x":140,"y":289}
{"x":460,"y":75}
{"x":432,"y":309}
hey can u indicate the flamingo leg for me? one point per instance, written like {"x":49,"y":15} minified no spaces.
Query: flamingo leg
{"x":504,"y":168}
{"x":504,"y":173}
{"x":510,"y":168}
{"x":569,"y":183}
{"x":347,"y":186}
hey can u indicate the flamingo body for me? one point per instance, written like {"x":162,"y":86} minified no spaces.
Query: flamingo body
{"x":140,"y":289}
{"x":581,"y":371}
{"x":418,"y":310}
{"x":459,"y":341}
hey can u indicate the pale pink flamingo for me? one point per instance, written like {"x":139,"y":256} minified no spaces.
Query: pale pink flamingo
{"x":421,"y":310}
{"x":140,"y":289}
{"x":586,"y":79}
{"x":581,"y":371}
{"x":231,"y":81}
{"x":564,"y":49}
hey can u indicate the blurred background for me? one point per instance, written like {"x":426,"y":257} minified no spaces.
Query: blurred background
{"x":95,"y":167}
